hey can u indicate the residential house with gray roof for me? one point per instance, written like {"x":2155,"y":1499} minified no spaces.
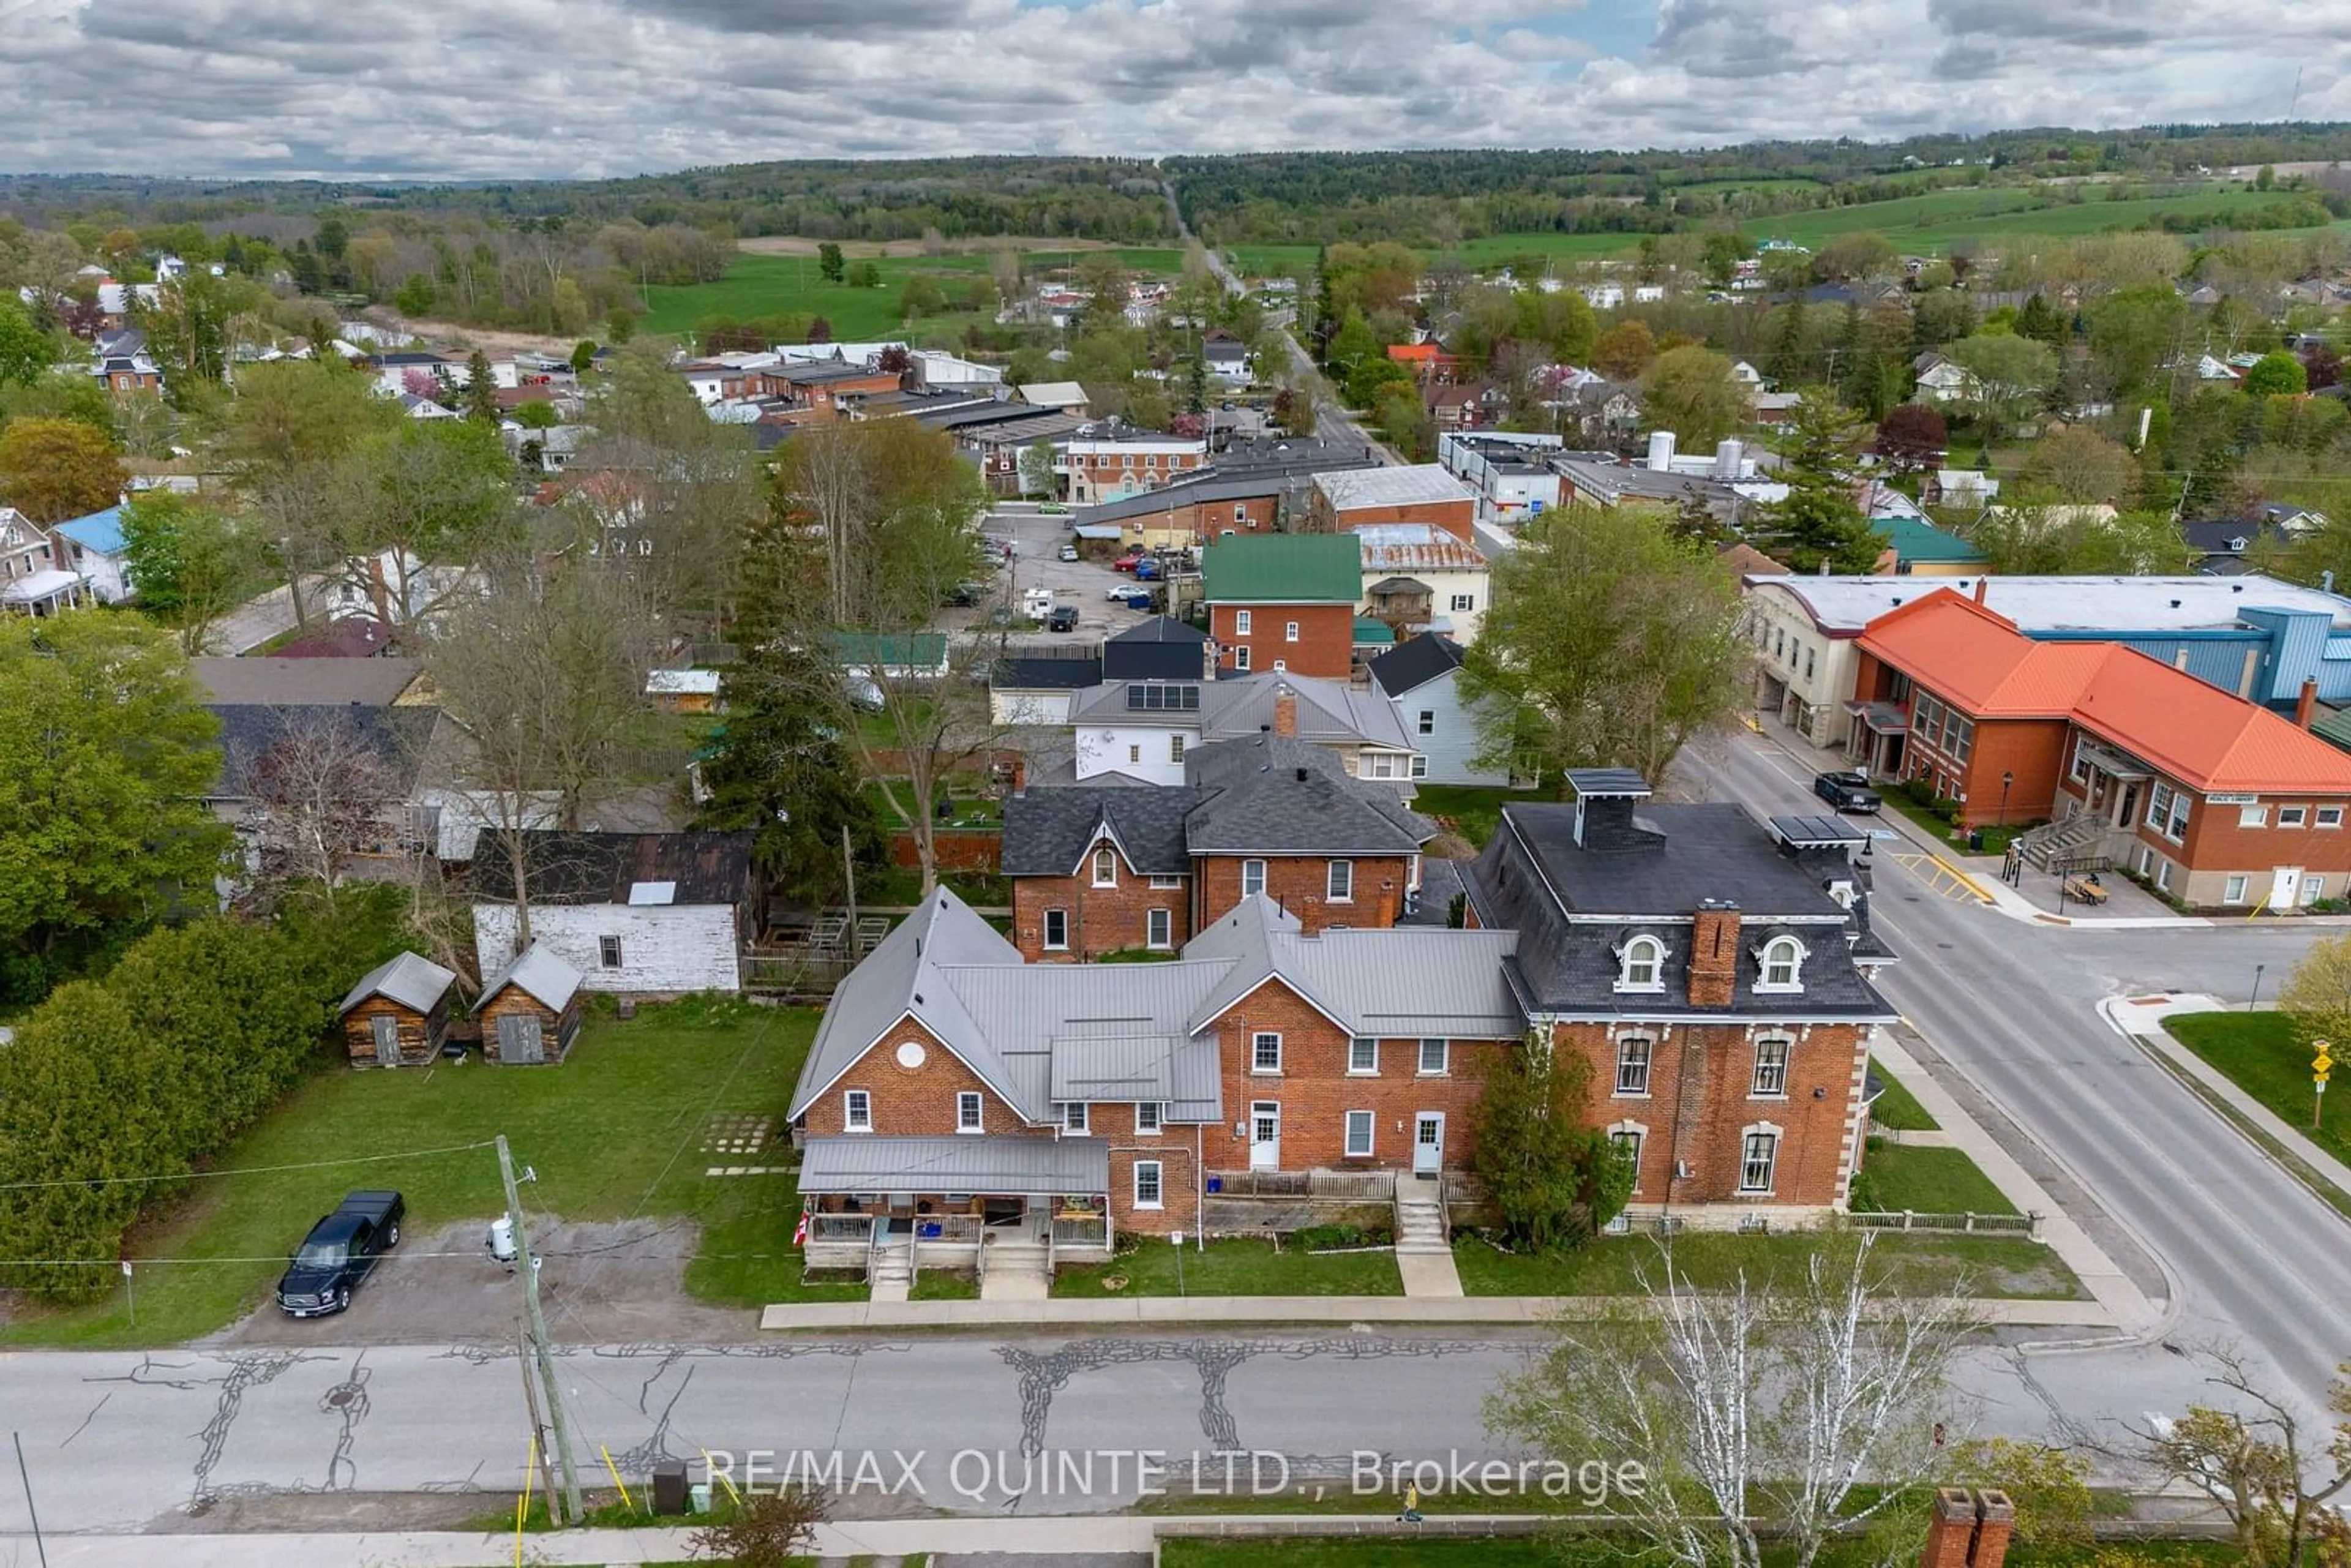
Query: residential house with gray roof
{"x":1145,"y":729}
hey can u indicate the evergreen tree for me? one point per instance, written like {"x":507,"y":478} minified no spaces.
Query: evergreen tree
{"x":480,"y":400}
{"x":1554,"y":1178}
{"x":1788,"y":341}
{"x":2038,"y":319}
{"x":1819,"y":522}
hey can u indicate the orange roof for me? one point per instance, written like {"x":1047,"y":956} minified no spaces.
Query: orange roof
{"x":2196,"y":733}
{"x":1419,"y":353}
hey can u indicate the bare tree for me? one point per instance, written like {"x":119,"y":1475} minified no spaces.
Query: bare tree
{"x":323,"y":789}
{"x":1802,"y":1411}
{"x":2254,"y":1458}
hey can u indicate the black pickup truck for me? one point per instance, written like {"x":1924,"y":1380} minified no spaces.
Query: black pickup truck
{"x":340,"y":1250}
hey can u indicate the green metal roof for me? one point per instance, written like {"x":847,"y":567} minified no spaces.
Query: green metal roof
{"x":1372,"y":634}
{"x":1916,"y":541}
{"x":1283,"y":569}
{"x":2334,"y":727}
{"x":919,"y":650}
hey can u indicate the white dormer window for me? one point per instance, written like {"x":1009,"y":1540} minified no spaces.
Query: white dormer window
{"x":1783,"y":963}
{"x":1105,"y":867}
{"x":1641,"y":965}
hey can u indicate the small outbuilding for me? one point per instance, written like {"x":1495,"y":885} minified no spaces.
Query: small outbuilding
{"x":530,"y":1010}
{"x":398,"y":1015}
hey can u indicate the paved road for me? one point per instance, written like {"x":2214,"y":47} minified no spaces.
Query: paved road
{"x":2256,"y":1259}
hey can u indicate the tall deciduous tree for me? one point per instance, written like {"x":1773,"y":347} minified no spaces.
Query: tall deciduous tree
{"x":2251,"y":1455}
{"x":105,"y":759}
{"x":1610,"y":643}
{"x":1691,"y":392}
{"x":25,"y":351}
{"x":2011,"y":373}
{"x":1625,"y":350}
{"x":321,"y":788}
{"x":1554,"y":1178}
{"x":53,"y":470}
{"x":188,"y":560}
{"x":1800,"y":1411}
{"x":2078,"y":464}
{"x":2080,"y":541}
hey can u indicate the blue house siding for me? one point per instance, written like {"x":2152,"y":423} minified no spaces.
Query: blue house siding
{"x":1451,"y":743}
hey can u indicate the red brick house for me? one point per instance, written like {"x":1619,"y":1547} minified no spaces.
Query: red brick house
{"x":1283,"y":603}
{"x":1428,"y":362}
{"x":1423,"y":493}
{"x":2217,"y":801}
{"x":958,"y":1097}
{"x":1715,"y":974}
{"x":1131,"y":868}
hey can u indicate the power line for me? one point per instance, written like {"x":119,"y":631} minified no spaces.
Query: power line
{"x":243,"y":1170}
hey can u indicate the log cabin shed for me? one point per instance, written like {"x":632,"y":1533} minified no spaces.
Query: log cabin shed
{"x":398,"y":1015}
{"x":530,"y":1010}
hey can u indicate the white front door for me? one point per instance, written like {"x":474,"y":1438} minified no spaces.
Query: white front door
{"x":2285,"y":887}
{"x":1428,"y":1143}
{"x":1265,"y":1135}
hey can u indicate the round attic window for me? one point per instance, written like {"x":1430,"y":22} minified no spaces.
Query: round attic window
{"x":910,"y":1054}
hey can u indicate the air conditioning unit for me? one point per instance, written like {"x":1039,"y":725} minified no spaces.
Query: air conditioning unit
{"x":1681,"y":1170}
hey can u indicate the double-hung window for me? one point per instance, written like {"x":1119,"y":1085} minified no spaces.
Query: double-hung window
{"x":1057,"y":931}
{"x":967,"y":1118}
{"x":1363,"y":1055}
{"x":1759,"y":1158}
{"x":1434,"y":1058}
{"x":1359,"y":1136}
{"x":1633,"y":1066}
{"x":1146,"y":1184}
{"x":1147,"y":1116}
{"x":1770,"y":1069}
{"x":1340,"y":886}
{"x":1159,"y":928}
{"x":857,"y":1111}
{"x":1265,"y":1052}
{"x":1074,"y":1116}
{"x":1241,"y":619}
{"x":1252,"y":878}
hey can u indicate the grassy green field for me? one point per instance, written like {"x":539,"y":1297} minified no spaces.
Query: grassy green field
{"x":1235,"y":1267}
{"x":1274,"y":260}
{"x":1931,"y":222}
{"x":1896,"y":1107}
{"x":1994,"y":1265}
{"x":2262,"y":1055}
{"x":615,"y":1131}
{"x":1898,"y":1178}
{"x":759,"y":285}
{"x":1475,"y":810}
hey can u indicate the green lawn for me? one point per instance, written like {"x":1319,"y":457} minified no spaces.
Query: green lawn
{"x":944,"y":1285}
{"x":1235,"y":1267}
{"x":616,"y":1131}
{"x":1998,"y":1265}
{"x":1273,"y":260}
{"x":1896,"y":1107}
{"x":758,"y":286}
{"x":1932,"y":221}
{"x":1557,"y":1551}
{"x":1895,"y":1178}
{"x":1488,"y":250}
{"x":1476,"y":811}
{"x":2261,"y":1054}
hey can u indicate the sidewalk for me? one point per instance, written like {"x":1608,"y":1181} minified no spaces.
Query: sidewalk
{"x":1363,"y":1311}
{"x":2141,"y":1018}
{"x":2117,"y":1296}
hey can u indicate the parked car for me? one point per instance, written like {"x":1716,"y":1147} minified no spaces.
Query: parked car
{"x":964,"y":595}
{"x":864,"y":693}
{"x":1121,"y":592}
{"x":1065,"y":618}
{"x":1069,"y":552}
{"x":1053,"y":509}
{"x":1136,"y":598}
{"x":1147,"y":571}
{"x":1126,"y":563}
{"x":1848,"y":790}
{"x":339,"y":1253}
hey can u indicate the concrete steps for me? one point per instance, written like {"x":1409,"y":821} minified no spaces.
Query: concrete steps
{"x":892,"y":1275}
{"x":1015,"y":1272}
{"x":1420,"y":1225}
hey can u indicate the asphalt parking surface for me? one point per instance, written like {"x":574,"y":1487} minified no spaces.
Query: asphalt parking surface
{"x":1036,"y":538}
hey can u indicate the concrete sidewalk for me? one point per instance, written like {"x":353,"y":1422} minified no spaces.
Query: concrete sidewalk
{"x":1275,"y":1312}
{"x":2142,"y":1018}
{"x":2118,"y":1298}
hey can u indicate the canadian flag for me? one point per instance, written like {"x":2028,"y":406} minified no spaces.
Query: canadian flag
{"x":799,"y":1231}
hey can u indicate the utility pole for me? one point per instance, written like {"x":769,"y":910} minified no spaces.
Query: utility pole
{"x":535,"y":1328}
{"x":26,"y":1477}
{"x":849,"y":867}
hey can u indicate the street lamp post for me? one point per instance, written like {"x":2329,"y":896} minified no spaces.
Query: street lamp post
{"x":2005,"y":780}
{"x":2256,"y":1005}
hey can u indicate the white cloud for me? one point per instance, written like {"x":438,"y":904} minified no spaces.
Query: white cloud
{"x":587,"y":88}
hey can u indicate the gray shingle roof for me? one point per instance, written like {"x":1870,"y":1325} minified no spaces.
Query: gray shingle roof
{"x":1275,"y":795}
{"x":994,"y":1164}
{"x":1413,"y":665}
{"x":1046,"y":832}
{"x":1330,"y":713}
{"x":539,"y":975}
{"x":415,"y":983}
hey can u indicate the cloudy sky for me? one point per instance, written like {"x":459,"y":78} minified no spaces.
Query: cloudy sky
{"x":471,"y":88}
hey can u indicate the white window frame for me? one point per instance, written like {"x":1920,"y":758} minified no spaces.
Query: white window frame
{"x":1150,"y":1116}
{"x":2233,"y":890}
{"x":1258,"y":1067}
{"x":1242,"y":621}
{"x":1419,"y":765}
{"x":2293,"y":816}
{"x":1770,"y":1080}
{"x":1463,"y":604}
{"x":1241,"y":659}
{"x":1166,"y":884}
{"x":1052,"y":917}
{"x":1176,"y":747}
{"x":1421,"y":1069}
{"x":857,"y":1111}
{"x":1748,"y":1138}
{"x":1633,"y":1136}
{"x":1289,"y":631}
{"x":1655,"y":950}
{"x":1075,"y":1116}
{"x":1780,"y":952}
{"x":1105,"y":855}
{"x":1338,"y":882}
{"x":1159,"y":929}
{"x":1634,"y":1069}
{"x":1356,"y":1066}
{"x":976,"y":1103}
{"x":2252,"y":815}
{"x":2329,"y":817}
{"x":1158,"y":1198}
{"x":1252,"y":877}
{"x":1348,"y":1146}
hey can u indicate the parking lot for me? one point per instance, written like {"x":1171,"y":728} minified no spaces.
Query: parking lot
{"x":1036,"y":538}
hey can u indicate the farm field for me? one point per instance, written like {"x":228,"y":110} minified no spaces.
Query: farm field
{"x":1932,"y":222}
{"x":759,"y":284}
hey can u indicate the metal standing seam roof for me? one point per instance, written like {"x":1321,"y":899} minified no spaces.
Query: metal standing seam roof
{"x":855,"y":1163}
{"x":99,"y":532}
{"x":1282,"y":568}
{"x":1403,"y":982}
{"x":2038,"y":606}
{"x":539,"y":975}
{"x":1416,"y":547}
{"x":1419,"y":483}
{"x":1329,"y":712}
{"x":415,"y":983}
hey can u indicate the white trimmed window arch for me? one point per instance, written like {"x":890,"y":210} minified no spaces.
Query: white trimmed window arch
{"x":1641,"y":963}
{"x":1779,"y":964}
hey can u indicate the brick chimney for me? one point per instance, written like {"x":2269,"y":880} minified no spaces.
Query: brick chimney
{"x":2305,"y":707}
{"x":1714,"y":954}
{"x":378,"y":590}
{"x":1968,"y":1531}
{"x":1980,"y":591}
{"x":1285,"y":711}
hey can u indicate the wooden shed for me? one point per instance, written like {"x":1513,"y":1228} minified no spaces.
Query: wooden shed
{"x":398,"y":1015}
{"x":530,"y":1010}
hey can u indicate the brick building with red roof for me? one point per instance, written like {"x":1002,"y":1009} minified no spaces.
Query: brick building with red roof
{"x":2217,"y":801}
